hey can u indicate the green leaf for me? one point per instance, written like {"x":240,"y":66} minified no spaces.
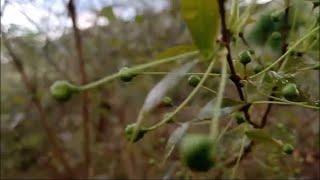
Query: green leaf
{"x":228,"y":106}
{"x":202,"y":19}
{"x":261,"y":136}
{"x":174,"y":51}
{"x":108,"y":12}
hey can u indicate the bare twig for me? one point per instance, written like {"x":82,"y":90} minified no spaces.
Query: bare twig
{"x":85,"y":98}
{"x":53,"y":140}
{"x":234,"y":77}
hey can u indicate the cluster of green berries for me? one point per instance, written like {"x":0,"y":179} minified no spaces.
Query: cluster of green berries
{"x":197,"y":152}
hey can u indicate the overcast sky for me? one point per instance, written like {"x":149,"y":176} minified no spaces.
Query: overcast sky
{"x":39,"y":12}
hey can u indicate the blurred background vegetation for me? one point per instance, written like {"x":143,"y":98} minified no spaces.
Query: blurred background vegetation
{"x":125,"y":33}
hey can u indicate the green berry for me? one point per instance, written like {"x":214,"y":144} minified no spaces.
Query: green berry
{"x":197,"y":152}
{"x":167,"y":101}
{"x":258,"y":69}
{"x":290,"y":91}
{"x":125,"y":75}
{"x":287,"y":148}
{"x":245,"y":57}
{"x":193,"y":80}
{"x":251,"y":51}
{"x":129,"y":132}
{"x":276,"y":36}
{"x":238,"y":116}
{"x":275,"y":17}
{"x":62,"y":90}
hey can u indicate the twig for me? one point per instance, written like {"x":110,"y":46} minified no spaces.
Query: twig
{"x":53,"y":140}
{"x":234,"y":77}
{"x":85,"y":98}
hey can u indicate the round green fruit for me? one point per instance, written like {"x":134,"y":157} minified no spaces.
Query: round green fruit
{"x":245,"y":57}
{"x":62,"y":90}
{"x":129,"y":132}
{"x":287,"y":149}
{"x":125,"y":75}
{"x":258,"y":68}
{"x":276,"y":36}
{"x":290,"y":91}
{"x":238,"y":116}
{"x":167,"y":101}
{"x":197,"y":152}
{"x":193,"y":80}
{"x":275,"y":17}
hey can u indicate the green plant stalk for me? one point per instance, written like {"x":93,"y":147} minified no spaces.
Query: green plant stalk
{"x":136,"y":68}
{"x":190,"y":96}
{"x":239,"y":157}
{"x":284,"y":103}
{"x":214,"y":130}
{"x":285,"y":54}
{"x":224,"y":130}
{"x":208,"y":89}
{"x":187,"y":74}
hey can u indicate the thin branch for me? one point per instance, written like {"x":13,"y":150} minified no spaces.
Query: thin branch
{"x":53,"y":140}
{"x":85,"y":97}
{"x":234,"y":77}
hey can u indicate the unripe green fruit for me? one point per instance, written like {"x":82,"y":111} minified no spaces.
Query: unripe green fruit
{"x":125,"y":75}
{"x":167,"y":101}
{"x":275,"y":17}
{"x":251,"y":51}
{"x":276,"y":36}
{"x":62,"y":90}
{"x":258,"y":69}
{"x":245,"y":57}
{"x":197,"y":152}
{"x":193,"y":80}
{"x":290,"y":91}
{"x":287,"y":148}
{"x":238,"y":116}
{"x":129,"y":132}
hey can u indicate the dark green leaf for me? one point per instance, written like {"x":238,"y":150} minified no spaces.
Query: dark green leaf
{"x":202,"y":19}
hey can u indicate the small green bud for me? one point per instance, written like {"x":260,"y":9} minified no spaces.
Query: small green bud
{"x":197,"y":152}
{"x":194,"y":80}
{"x":62,"y":90}
{"x":290,"y":91}
{"x":276,"y":36}
{"x":245,"y":57}
{"x":129,"y":132}
{"x":258,"y":68}
{"x":238,"y":116}
{"x":275,"y":17}
{"x":125,"y":75}
{"x":287,"y":149}
{"x":167,"y":101}
{"x":251,"y":51}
